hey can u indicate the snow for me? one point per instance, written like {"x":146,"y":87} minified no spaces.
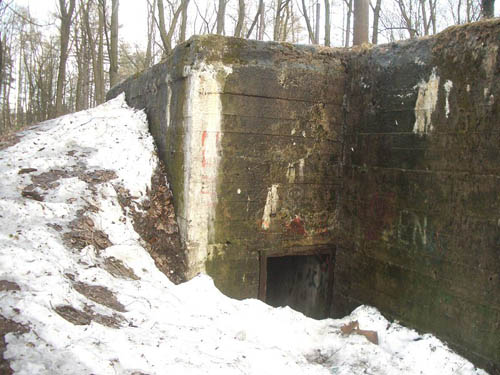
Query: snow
{"x":191,"y":328}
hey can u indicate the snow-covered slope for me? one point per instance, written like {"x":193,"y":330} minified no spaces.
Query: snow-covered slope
{"x":79,"y":294}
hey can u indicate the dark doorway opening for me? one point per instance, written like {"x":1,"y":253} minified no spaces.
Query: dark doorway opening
{"x":303,"y":282}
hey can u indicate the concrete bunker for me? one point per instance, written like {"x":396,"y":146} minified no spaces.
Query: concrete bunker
{"x":387,"y":156}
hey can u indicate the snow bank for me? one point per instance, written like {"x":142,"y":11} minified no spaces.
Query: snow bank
{"x":74,"y":274}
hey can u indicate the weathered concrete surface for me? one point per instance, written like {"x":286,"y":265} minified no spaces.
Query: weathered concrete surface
{"x":421,"y":195}
{"x":252,"y":148}
{"x":386,"y":158}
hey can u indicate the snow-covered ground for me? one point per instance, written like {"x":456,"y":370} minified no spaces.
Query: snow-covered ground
{"x":76,"y":314}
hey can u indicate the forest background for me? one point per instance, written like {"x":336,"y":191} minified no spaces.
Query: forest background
{"x":61,"y":56}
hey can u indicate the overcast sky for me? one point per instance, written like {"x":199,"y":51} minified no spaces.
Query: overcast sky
{"x":132,"y":16}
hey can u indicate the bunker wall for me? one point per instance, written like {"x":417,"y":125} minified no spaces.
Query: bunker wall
{"x":421,"y":198}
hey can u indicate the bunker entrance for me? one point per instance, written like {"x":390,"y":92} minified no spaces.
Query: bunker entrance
{"x":302,"y":282}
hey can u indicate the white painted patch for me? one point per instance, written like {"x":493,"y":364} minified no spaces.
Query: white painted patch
{"x":290,"y":173}
{"x":203,"y":115}
{"x":293,"y":132}
{"x":426,"y":104}
{"x":271,"y":206}
{"x":418,"y":61}
{"x":447,"y":87}
{"x":302,"y":164}
{"x":238,"y":191}
{"x":169,"y":99}
{"x":186,"y":71}
{"x":304,"y":133}
{"x":468,"y":88}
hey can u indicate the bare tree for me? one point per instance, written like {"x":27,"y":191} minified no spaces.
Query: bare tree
{"x":488,"y":7}
{"x":184,"y":17}
{"x":280,"y":22}
{"x":376,"y":19}
{"x":221,"y":16}
{"x":95,"y":40}
{"x":113,"y":53}
{"x":361,"y":13}
{"x":151,"y":33}
{"x":166,"y":36}
{"x":66,"y":14}
{"x":328,"y":24}
{"x":258,"y":21}
{"x":465,"y":10}
{"x":349,"y":4}
{"x":308,"y":22}
{"x":238,"y":30}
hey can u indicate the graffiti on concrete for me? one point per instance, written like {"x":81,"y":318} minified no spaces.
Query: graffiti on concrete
{"x":415,"y":230}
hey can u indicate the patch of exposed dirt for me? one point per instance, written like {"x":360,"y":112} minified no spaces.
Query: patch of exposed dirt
{"x":8,"y":326}
{"x":31,"y":193}
{"x":157,"y":226}
{"x":116,"y":268}
{"x":81,"y":318}
{"x":8,"y":140}
{"x":83,"y":233}
{"x":99,"y":294}
{"x":8,"y":286}
{"x":26,"y":170}
{"x":50,"y":180}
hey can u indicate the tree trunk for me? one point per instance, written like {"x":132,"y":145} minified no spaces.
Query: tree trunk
{"x":316,"y":31}
{"x":66,"y":16}
{"x":256,"y":19}
{"x":113,"y":54}
{"x":184,"y":14}
{"x":348,"y":23}
{"x":221,"y":16}
{"x":328,"y":24}
{"x":308,"y":22}
{"x":151,"y":33}
{"x":262,"y":20}
{"x":100,"y":86}
{"x":277,"y":21}
{"x":241,"y":19}
{"x":376,"y":19}
{"x":488,"y":7}
{"x":166,"y":37}
{"x":361,"y":14}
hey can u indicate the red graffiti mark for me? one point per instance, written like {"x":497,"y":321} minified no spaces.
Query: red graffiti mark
{"x":203,"y":139}
{"x":296,"y":226}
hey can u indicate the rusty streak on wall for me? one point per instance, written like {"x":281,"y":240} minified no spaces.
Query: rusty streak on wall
{"x":389,"y":156}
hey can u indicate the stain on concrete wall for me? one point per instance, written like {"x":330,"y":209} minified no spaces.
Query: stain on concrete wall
{"x":426,"y":104}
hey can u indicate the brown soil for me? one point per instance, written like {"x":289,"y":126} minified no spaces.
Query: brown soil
{"x":99,"y":294}
{"x":8,"y":326}
{"x":157,"y":226}
{"x":81,"y":318}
